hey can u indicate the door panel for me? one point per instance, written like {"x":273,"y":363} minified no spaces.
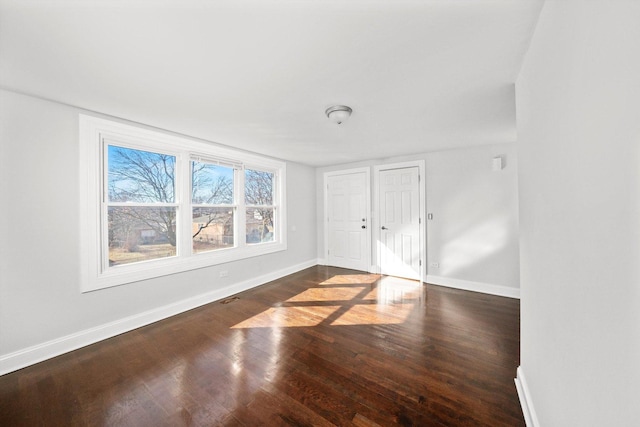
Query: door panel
{"x":355,"y":245}
{"x":348,"y":242}
{"x":400,"y":222}
{"x":339,"y":243}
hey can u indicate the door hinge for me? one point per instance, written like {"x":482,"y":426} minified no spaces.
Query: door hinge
{"x":419,"y":220}
{"x":420,"y":262}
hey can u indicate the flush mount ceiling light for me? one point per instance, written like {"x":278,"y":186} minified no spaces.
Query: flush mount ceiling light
{"x":338,"y":113}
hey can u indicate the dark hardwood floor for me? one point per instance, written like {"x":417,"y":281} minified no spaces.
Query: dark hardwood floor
{"x":325,"y":346}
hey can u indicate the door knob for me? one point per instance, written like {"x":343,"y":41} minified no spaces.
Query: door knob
{"x":364,"y":226}
{"x":384,"y":228}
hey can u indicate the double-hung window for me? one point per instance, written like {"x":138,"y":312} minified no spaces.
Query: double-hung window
{"x":213,"y":205}
{"x":259,"y":207}
{"x":140,"y":205}
{"x":156,"y":204}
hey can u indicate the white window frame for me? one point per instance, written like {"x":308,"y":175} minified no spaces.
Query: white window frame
{"x":235,"y":204}
{"x":95,"y":133}
{"x":273,"y":205}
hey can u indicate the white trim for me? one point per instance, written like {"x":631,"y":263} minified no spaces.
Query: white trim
{"x":530,"y":417}
{"x":422,"y":190}
{"x":468,"y":285}
{"x":22,"y":358}
{"x":322,"y":261}
{"x":369,"y":222}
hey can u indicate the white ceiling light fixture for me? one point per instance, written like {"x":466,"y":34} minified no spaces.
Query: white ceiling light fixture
{"x":338,"y":113}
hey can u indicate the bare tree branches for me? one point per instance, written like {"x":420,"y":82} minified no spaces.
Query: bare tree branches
{"x":259,"y":195}
{"x":141,"y":176}
{"x":210,"y":185}
{"x":142,"y":179}
{"x":137,"y":176}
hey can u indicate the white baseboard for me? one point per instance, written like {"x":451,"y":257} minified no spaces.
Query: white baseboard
{"x":22,"y":358}
{"x":322,"y":261}
{"x":467,"y":285}
{"x":530,"y":417}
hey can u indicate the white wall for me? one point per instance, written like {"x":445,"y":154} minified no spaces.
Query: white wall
{"x":578,"y":111}
{"x":474,"y":234}
{"x":39,"y":276}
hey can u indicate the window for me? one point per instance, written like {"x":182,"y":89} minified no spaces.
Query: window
{"x":140,"y":205}
{"x":156,"y":204}
{"x":213,"y":206}
{"x":258,"y":196}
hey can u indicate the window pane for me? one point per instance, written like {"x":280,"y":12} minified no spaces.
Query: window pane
{"x":211,"y":184}
{"x":141,"y":234}
{"x":140,"y":176}
{"x":258,"y":187}
{"x":259,"y":225}
{"x":212,"y":228}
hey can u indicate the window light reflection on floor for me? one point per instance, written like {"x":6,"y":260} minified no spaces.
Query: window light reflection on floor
{"x":328,"y":294}
{"x":359,"y":279}
{"x":344,"y":300}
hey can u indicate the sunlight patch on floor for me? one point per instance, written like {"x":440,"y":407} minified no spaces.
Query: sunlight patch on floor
{"x":358,"y":279}
{"x":374,"y":314}
{"x":328,"y":294}
{"x":288,"y":317}
{"x":380,"y":300}
{"x":393,"y":290}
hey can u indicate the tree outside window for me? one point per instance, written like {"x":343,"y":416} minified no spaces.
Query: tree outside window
{"x":141,"y":208}
{"x":213,"y":206}
{"x":260,"y":209}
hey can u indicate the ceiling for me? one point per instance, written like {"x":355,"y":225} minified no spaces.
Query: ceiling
{"x":258,"y":75}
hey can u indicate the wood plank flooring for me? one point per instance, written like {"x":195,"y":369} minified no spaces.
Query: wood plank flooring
{"x":325,"y":346}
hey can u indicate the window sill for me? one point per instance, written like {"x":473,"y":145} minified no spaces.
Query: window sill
{"x":163,"y":267}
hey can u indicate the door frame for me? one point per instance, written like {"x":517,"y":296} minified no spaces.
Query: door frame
{"x":420,"y":164}
{"x":325,"y":220}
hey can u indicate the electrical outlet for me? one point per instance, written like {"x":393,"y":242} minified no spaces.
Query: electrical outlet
{"x":224,"y":273}
{"x":434,"y":265}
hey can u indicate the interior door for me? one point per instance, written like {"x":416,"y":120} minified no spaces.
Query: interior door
{"x":348,"y":220}
{"x":399,"y":213}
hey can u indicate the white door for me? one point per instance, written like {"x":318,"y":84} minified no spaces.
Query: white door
{"x":399,"y":213}
{"x":348,"y":220}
